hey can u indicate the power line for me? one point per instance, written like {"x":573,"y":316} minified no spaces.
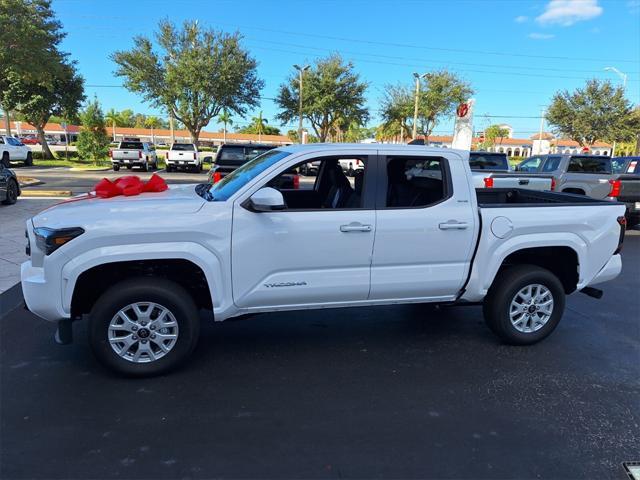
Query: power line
{"x":421,"y":47}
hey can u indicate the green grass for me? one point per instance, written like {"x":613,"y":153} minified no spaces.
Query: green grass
{"x":74,"y":163}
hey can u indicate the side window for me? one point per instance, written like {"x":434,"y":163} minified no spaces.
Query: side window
{"x":338,"y":183}
{"x":551,"y":165}
{"x":530,"y":165}
{"x":415,"y":181}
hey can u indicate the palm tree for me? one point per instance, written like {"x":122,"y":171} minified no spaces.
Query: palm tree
{"x":112,"y":117}
{"x":153,"y":122}
{"x":259,"y":124}
{"x":225,"y":119}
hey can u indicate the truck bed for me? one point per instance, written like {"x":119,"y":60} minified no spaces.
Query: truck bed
{"x":518,"y":197}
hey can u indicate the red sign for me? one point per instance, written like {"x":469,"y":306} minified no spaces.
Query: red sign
{"x":462,"y":110}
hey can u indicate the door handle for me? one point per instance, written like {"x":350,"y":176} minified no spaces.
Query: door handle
{"x":453,"y":225}
{"x":355,"y":227}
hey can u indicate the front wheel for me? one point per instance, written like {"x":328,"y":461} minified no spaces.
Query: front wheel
{"x":524,"y":304}
{"x":12,"y":193}
{"x":144,"y":326}
{"x":116,"y":167}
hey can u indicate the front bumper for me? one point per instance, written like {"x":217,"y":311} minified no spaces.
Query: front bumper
{"x":42,"y":296}
{"x":610,"y":271}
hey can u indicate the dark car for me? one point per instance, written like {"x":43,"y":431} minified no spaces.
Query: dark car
{"x":492,"y":161}
{"x":627,"y":186}
{"x":232,"y":155}
{"x":9,"y":186}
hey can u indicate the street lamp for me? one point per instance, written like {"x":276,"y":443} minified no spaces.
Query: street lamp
{"x":418,"y":77}
{"x":301,"y":70}
{"x":623,"y":76}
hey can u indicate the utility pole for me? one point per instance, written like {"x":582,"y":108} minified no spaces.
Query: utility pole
{"x":418,"y":77}
{"x":173,"y":134}
{"x":301,"y":70}
{"x":540,"y":134}
{"x":623,"y":76}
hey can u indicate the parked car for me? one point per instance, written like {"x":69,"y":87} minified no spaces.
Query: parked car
{"x":9,"y":186}
{"x":412,"y":229}
{"x":351,"y":165}
{"x":590,"y":175}
{"x":492,"y":170}
{"x":29,"y":140}
{"x":13,"y":150}
{"x":134,"y":154}
{"x":627,"y":186}
{"x":233,"y":155}
{"x":183,"y":155}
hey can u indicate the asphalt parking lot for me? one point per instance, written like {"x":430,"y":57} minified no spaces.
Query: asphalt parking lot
{"x":391,"y":392}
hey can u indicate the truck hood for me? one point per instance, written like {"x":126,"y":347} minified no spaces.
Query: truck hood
{"x":89,"y":209}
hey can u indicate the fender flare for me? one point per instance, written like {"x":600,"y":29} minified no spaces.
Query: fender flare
{"x":206,"y":260}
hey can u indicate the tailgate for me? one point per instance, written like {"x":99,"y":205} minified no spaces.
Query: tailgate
{"x":126,"y":154}
{"x":529,"y":182}
{"x":180,"y":155}
{"x":629,"y":188}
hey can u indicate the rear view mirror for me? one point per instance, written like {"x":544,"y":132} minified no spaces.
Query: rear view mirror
{"x":267,"y":199}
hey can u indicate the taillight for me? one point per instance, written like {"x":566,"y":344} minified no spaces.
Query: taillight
{"x":194,"y":155}
{"x":217,"y":177}
{"x":488,"y":182}
{"x":615,"y":188}
{"x":296,"y":182}
{"x":622,"y":221}
{"x":553,"y":184}
{"x":140,"y":154}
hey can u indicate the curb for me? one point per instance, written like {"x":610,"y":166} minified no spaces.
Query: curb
{"x":29,"y":181}
{"x":46,"y":193}
{"x":97,"y":169}
{"x":10,"y":299}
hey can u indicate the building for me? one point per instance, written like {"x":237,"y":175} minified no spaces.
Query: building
{"x":157,"y":136}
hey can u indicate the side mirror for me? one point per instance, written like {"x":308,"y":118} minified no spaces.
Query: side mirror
{"x":267,"y":199}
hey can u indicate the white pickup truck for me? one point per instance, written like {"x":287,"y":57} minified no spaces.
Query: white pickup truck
{"x":183,"y":155}
{"x":13,"y":150}
{"x":410,"y":229}
{"x":131,"y":153}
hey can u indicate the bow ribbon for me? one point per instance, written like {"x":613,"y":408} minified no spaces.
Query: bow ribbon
{"x":129,"y":186}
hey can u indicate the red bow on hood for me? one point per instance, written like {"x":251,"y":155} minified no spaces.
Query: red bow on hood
{"x":129,"y":185}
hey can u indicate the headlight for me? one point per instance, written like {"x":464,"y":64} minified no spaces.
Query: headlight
{"x":49,"y":240}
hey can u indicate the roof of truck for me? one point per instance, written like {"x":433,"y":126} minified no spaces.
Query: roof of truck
{"x":319,"y":147}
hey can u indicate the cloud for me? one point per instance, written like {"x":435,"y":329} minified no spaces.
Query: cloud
{"x":568,"y":12}
{"x":522,"y":18}
{"x":541,"y":36}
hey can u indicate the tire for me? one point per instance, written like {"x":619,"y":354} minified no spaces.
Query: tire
{"x":504,"y":293}
{"x":167,"y":296}
{"x":200,"y":168}
{"x":168,"y":168}
{"x":144,"y":167}
{"x":129,"y":167}
{"x":29,"y":160}
{"x":5,"y":159}
{"x":116,"y":167}
{"x":12,"y":192}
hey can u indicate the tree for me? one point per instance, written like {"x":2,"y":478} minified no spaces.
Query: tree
{"x":196,"y":73}
{"x":397,"y":113}
{"x":112,"y":117}
{"x":258,"y":126}
{"x":61,"y":95}
{"x":225,"y":119}
{"x":152,"y":122}
{"x":599,"y":111}
{"x":443,"y":93}
{"x":29,"y":39}
{"x":494,"y":132}
{"x":331,"y":90}
{"x":93,"y":141}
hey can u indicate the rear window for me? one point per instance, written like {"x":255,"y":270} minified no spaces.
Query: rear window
{"x":590,"y":164}
{"x":251,"y":153}
{"x":131,"y":145}
{"x":231,"y":153}
{"x":488,"y":161}
{"x":184,"y":147}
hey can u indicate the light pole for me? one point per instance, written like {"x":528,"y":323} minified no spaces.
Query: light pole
{"x":623,"y":76}
{"x":301,"y":70}
{"x":418,"y":77}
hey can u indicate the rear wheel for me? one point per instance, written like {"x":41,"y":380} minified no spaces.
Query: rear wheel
{"x":168,"y":168}
{"x":29,"y":160}
{"x":145,"y":166}
{"x":144,"y":326}
{"x":524,"y":304}
{"x":12,"y":192}
{"x":5,"y":159}
{"x":116,"y":167}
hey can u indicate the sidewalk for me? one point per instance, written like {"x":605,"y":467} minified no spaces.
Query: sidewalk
{"x":12,"y":240}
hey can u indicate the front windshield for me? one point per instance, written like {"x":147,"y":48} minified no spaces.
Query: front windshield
{"x":237,"y":179}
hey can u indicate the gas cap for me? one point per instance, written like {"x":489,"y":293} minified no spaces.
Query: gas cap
{"x":501,"y":227}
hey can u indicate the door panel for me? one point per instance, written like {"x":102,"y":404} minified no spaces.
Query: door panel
{"x":425,"y":252}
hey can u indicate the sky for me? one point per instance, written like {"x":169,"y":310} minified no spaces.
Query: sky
{"x":515,"y":53}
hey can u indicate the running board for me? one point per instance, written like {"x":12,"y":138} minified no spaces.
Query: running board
{"x":592,"y":292}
